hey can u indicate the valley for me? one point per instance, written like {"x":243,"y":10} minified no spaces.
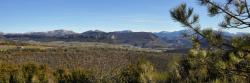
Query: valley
{"x":99,"y":58}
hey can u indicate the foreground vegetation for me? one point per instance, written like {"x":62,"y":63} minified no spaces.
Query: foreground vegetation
{"x":80,"y":64}
{"x":224,"y":60}
{"x":113,"y":65}
{"x":33,"y":73}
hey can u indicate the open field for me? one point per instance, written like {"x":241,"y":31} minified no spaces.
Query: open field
{"x":93,"y":44}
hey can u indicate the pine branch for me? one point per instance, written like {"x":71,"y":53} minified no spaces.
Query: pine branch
{"x":226,"y":12}
{"x":246,"y":5}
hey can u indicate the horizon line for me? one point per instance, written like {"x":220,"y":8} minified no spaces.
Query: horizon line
{"x":103,"y":31}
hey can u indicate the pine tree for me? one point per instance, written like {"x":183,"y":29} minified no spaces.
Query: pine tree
{"x":224,"y":60}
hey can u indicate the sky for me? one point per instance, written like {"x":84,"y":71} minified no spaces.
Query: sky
{"x":18,"y":16}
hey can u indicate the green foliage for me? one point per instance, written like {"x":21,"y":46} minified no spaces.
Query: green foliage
{"x":131,"y":74}
{"x":143,"y":72}
{"x":225,"y":59}
{"x":33,"y":73}
{"x":29,"y":72}
{"x":102,"y":61}
{"x":184,"y":15}
{"x":74,"y":76}
{"x":149,"y":74}
{"x":236,"y":12}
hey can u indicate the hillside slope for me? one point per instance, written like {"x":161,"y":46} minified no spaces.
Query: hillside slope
{"x":139,"y":39}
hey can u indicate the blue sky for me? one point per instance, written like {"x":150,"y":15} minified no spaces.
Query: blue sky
{"x":83,"y":15}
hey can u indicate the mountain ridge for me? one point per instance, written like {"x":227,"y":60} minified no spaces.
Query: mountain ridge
{"x":140,"y":39}
{"x":163,"y":39}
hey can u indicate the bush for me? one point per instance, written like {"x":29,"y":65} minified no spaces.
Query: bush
{"x":74,"y":76}
{"x":131,"y":74}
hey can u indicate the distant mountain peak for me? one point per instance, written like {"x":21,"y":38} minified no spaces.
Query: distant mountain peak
{"x":163,"y":32}
{"x":1,"y":33}
{"x":94,"y":31}
{"x":124,"y":31}
{"x":61,"y":31}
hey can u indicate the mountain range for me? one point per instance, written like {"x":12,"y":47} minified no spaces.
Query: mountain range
{"x":161,"y":39}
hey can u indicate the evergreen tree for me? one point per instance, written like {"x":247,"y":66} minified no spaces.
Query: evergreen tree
{"x":224,"y":60}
